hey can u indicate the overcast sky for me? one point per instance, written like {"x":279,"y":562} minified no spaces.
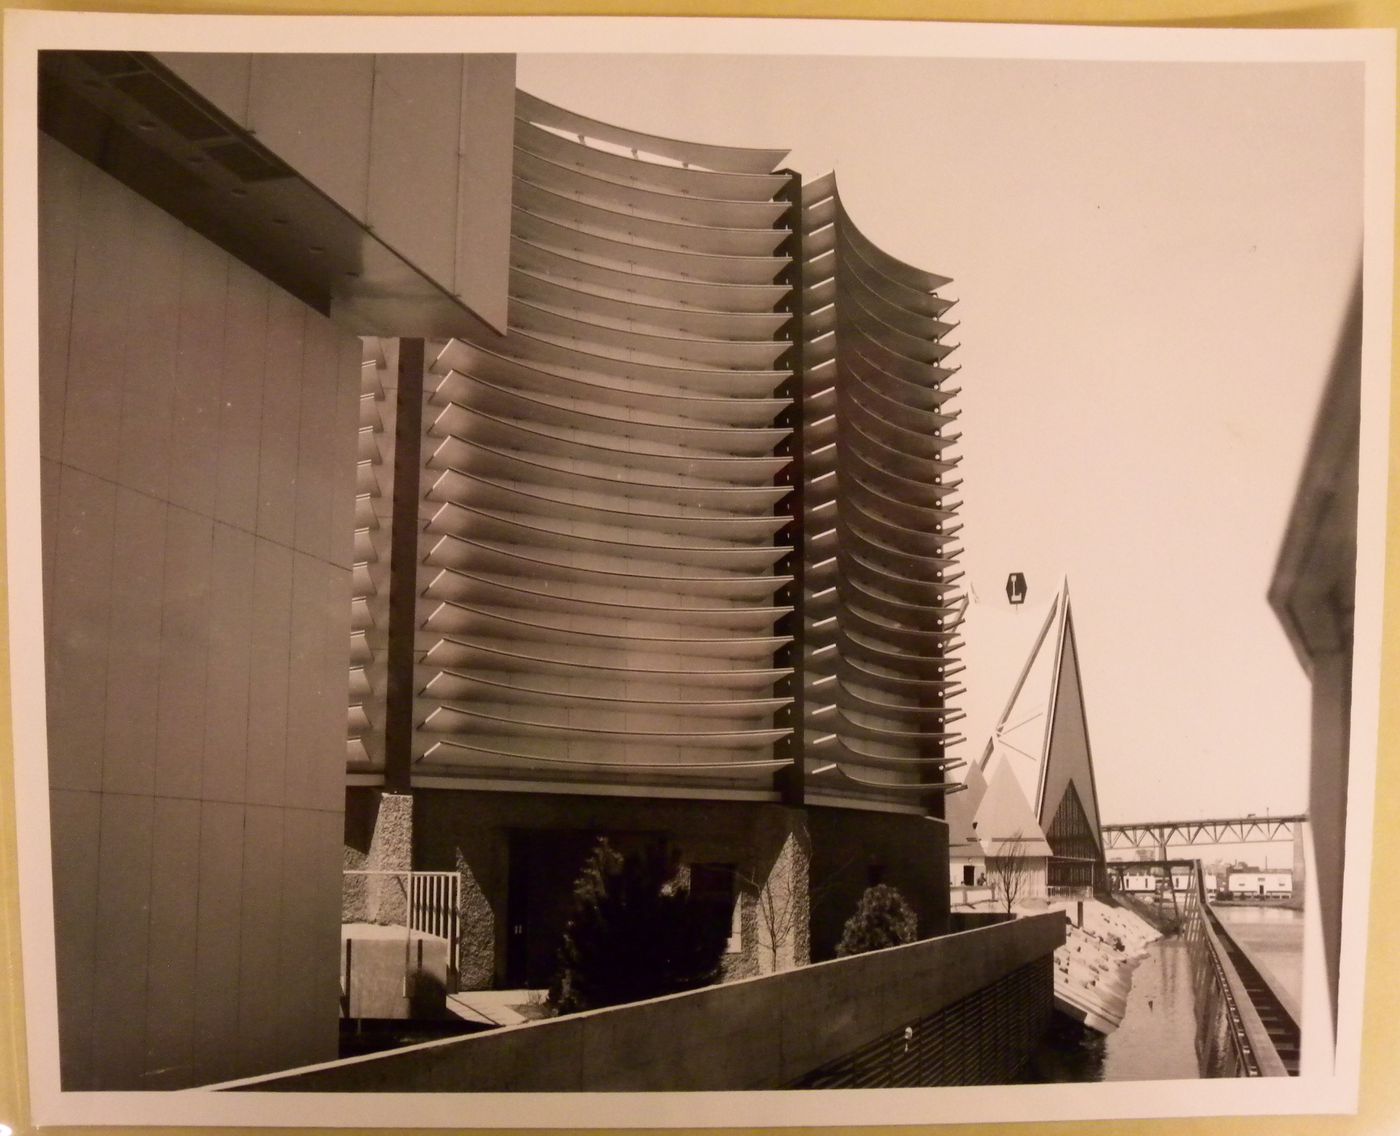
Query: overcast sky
{"x":1152,"y":262}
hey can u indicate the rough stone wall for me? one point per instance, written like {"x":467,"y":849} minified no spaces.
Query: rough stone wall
{"x":354,"y":890}
{"x":476,"y":952}
{"x":391,"y":850}
{"x":378,"y":837}
{"x":782,"y":901}
{"x":744,"y":963}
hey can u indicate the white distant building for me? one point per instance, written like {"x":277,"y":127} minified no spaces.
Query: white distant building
{"x":1264,"y":885}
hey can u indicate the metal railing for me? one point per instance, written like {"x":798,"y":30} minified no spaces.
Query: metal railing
{"x":1262,"y":1049}
{"x":431,"y":905}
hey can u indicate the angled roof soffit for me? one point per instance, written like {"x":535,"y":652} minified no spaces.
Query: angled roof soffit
{"x":136,"y":120}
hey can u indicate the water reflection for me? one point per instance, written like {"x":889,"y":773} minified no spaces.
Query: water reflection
{"x":1273,"y":936}
{"x":1156,"y":1042}
{"x":1176,"y":1024}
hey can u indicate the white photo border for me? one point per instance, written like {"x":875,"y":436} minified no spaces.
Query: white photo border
{"x":27,"y":32}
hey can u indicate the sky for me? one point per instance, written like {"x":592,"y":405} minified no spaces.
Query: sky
{"x":1151,"y":263}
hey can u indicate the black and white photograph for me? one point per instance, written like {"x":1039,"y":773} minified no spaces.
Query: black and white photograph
{"x":636,"y":572}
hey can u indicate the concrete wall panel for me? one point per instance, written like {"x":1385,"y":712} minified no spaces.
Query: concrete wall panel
{"x":281,"y":397}
{"x":79,"y":610}
{"x":314,"y":480}
{"x":134,"y":645}
{"x":194,"y":448}
{"x":184,"y":656}
{"x":222,"y":79}
{"x":230,"y":643}
{"x":92,"y":401}
{"x":416,"y":119}
{"x":123,"y":937}
{"x":484,"y":178}
{"x":313,"y":111}
{"x":50,"y":473}
{"x":320,"y":863}
{"x":60,"y":181}
{"x":307,"y":662}
{"x":172,"y":993}
{"x":240,"y":397}
{"x":355,"y":125}
{"x":259,"y":959}
{"x":151,"y":338}
{"x":270,"y":673}
{"x":74,"y":822}
{"x":343,"y":450}
{"x":327,"y":781}
{"x":219,"y":941}
{"x":756,"y":1033}
{"x":171,"y":508}
{"x":309,"y":933}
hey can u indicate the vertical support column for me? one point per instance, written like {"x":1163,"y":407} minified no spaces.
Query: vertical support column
{"x":790,"y":782}
{"x":403,"y":570}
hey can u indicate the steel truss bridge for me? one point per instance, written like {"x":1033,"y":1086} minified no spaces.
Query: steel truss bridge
{"x":1220,"y":830}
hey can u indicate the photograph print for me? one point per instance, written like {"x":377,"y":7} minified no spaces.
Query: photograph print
{"x":568,"y":571}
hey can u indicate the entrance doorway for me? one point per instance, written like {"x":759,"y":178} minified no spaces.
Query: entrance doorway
{"x":543,"y":867}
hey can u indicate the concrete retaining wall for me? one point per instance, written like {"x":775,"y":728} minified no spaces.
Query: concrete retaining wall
{"x":986,"y":1038}
{"x":756,"y":1033}
{"x":384,"y":976}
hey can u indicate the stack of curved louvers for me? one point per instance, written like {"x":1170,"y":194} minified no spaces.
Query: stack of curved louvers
{"x":601,"y":486}
{"x":369,"y":592}
{"x":879,"y":613}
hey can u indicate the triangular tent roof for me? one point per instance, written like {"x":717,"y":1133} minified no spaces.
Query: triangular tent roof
{"x":960,"y":810}
{"x":1005,"y":817}
{"x":1042,"y":733}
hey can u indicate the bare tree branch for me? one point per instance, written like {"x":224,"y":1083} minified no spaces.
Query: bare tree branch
{"x":1010,"y":871}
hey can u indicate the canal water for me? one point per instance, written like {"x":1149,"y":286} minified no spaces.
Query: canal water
{"x":1162,"y":1036}
{"x":1273,"y":938}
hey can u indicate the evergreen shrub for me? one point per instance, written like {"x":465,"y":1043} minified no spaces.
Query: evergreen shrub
{"x":883,"y":918}
{"x":634,"y":933}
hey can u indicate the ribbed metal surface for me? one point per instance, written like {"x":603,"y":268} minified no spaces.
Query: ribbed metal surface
{"x":601,"y":524}
{"x":369,"y":603}
{"x":880,"y":605}
{"x":983,"y":1039}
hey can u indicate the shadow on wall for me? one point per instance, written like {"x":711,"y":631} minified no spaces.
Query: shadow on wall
{"x":851,"y":852}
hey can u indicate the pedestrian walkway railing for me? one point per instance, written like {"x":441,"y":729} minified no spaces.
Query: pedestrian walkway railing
{"x":1262,"y":1039}
{"x":431,"y":903}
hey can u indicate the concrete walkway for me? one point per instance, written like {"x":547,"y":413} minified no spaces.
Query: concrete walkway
{"x":493,"y":1007}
